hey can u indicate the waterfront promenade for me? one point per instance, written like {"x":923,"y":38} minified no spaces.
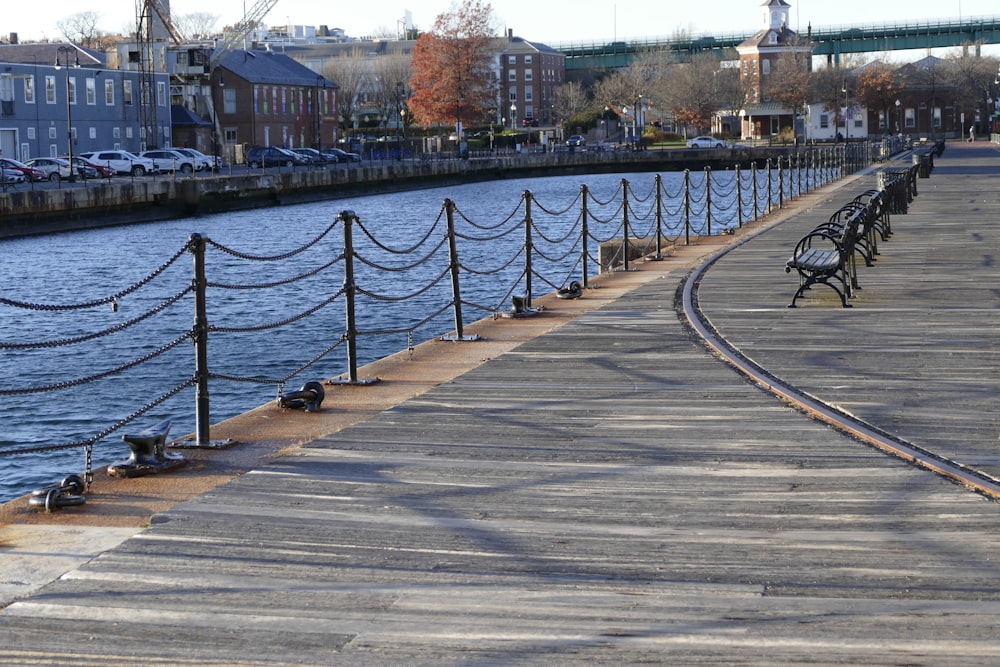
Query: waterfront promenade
{"x":588,"y":486}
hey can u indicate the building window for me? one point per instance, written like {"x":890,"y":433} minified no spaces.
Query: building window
{"x":527,"y":60}
{"x":881,"y":120}
{"x":72,"y":90}
{"x":109,"y":92}
{"x":161,"y":94}
{"x":824,"y":121}
{"x":528,"y":95}
{"x":93,"y":133}
{"x":765,"y":67}
{"x":29,"y":88}
{"x":512,"y":94}
{"x":116,"y":133}
{"x":512,"y":75}
{"x":527,"y":75}
{"x":228,"y":100}
{"x":50,"y":89}
{"x":936,"y":116}
{"x":31,"y":133}
{"x":52,"y":133}
{"x":91,"y":91}
{"x":229,"y":135}
{"x":910,"y":117}
{"x":512,"y":60}
{"x":127,"y":93}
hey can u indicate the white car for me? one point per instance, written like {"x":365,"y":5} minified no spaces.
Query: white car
{"x":55,"y":168}
{"x":122,"y":162}
{"x":201,"y":161}
{"x":167,"y":159}
{"x":706,"y":142}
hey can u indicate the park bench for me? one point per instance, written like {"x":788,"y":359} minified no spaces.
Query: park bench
{"x":826,"y":256}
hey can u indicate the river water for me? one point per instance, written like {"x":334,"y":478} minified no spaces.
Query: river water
{"x":84,"y":266}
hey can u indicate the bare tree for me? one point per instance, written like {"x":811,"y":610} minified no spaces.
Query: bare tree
{"x":196,"y":24}
{"x":350,"y":72}
{"x":391,"y":86}
{"x":571,"y":99}
{"x":81,"y":28}
{"x":971,"y":79}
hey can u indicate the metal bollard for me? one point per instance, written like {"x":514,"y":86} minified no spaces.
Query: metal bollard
{"x":149,"y":453}
{"x":308,"y":398}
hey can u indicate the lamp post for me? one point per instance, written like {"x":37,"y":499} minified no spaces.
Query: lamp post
{"x":899,"y":117}
{"x":319,"y":129}
{"x":513,"y":115}
{"x":847,"y":131}
{"x":69,"y":109}
{"x":216,"y":127}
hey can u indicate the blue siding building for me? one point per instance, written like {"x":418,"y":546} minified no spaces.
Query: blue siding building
{"x":42,"y":105}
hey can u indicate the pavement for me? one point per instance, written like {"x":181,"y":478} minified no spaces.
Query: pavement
{"x":588,"y":485}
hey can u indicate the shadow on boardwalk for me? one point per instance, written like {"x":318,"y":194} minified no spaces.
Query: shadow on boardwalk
{"x":610,"y":493}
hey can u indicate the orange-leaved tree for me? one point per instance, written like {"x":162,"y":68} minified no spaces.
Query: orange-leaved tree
{"x":452,"y":68}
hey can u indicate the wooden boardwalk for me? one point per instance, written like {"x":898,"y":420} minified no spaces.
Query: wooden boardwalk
{"x":611,"y":493}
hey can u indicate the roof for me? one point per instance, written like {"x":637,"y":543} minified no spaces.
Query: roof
{"x":519,"y":44}
{"x":46,"y":53}
{"x":268,"y":67}
{"x":182,"y":116}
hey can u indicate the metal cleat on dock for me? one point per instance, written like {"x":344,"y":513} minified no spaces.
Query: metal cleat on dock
{"x":520,"y":307}
{"x":308,"y":398}
{"x":149,"y":453}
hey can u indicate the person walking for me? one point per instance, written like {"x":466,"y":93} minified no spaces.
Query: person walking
{"x":972,"y":133}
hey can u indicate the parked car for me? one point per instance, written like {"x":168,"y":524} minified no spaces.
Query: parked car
{"x":201,"y":161}
{"x":55,"y":169}
{"x":122,"y":162}
{"x":529,"y":122}
{"x":272,"y":156}
{"x":167,"y":159}
{"x":10,"y":176}
{"x":342,"y":155}
{"x":88,"y":169}
{"x":576,"y":140}
{"x":705,"y":142}
{"x":314,"y":156}
{"x":29,"y":173}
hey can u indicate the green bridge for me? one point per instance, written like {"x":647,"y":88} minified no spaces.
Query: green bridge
{"x":831,"y":42}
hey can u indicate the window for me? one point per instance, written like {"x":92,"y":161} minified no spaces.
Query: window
{"x":936,"y":116}
{"x":910,"y":118}
{"x":824,"y":120}
{"x":527,"y":75}
{"x":881,"y":120}
{"x":127,"y":92}
{"x":528,"y":96}
{"x":109,"y":92}
{"x":512,"y":94}
{"x":93,"y":133}
{"x":512,"y":60}
{"x":91,"y":91}
{"x":229,"y":135}
{"x":71,"y":82}
{"x":29,"y":88}
{"x":52,"y":133}
{"x":527,"y":60}
{"x":765,"y":67}
{"x":6,"y":96}
{"x":116,"y":133}
{"x":512,"y":75}
{"x":31,"y":133}
{"x":161,"y":94}
{"x":50,"y":89}
{"x":228,"y":100}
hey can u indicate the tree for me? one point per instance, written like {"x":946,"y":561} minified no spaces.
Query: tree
{"x":392,"y":74}
{"x":81,"y":28}
{"x":452,"y":66}
{"x":877,"y":88}
{"x":789,"y":81}
{"x":696,"y":94}
{"x":349,"y":72}
{"x":570,"y":99}
{"x":196,"y":24}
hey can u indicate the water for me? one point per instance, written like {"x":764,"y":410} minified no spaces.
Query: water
{"x":90,"y":265}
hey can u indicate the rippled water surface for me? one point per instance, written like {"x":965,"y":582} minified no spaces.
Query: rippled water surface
{"x":91,"y":265}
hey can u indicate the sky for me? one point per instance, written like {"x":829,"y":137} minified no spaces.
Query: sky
{"x":547,"y":22}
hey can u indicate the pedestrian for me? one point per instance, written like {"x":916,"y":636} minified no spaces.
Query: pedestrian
{"x":972,"y":133}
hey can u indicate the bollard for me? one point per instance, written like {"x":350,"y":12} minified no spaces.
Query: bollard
{"x":308,"y":398}
{"x":520,"y":307}
{"x":149,"y":453}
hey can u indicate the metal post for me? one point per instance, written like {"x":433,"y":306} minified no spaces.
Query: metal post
{"x":584,"y":232}
{"x":781,"y":182}
{"x":753,"y":174}
{"x":739,"y":197}
{"x":350,"y":288}
{"x":687,"y":207}
{"x":196,"y":245}
{"x":770,"y":168}
{"x":456,"y":292}
{"x":708,"y":200}
{"x":527,"y":247}
{"x":658,"y":180}
{"x":625,"y":225}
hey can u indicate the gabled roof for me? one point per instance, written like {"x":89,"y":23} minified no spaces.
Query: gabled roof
{"x":272,"y":68}
{"x":521,"y":45}
{"x":45,"y":53}
{"x":181,"y":116}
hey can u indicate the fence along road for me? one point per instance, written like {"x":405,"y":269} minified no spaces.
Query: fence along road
{"x":606,"y":492}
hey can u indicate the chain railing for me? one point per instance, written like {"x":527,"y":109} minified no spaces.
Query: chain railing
{"x":404,"y":286}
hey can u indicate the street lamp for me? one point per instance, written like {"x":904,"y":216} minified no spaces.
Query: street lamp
{"x":69,"y":110}
{"x":847,"y":131}
{"x":216,"y":128}
{"x":899,"y":117}
{"x":319,"y":121}
{"x":513,"y":115}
